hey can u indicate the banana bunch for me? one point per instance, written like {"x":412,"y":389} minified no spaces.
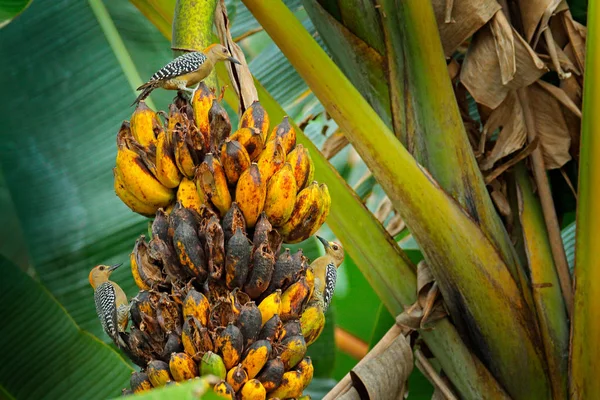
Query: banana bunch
{"x":218,"y":297}
{"x":195,"y":158}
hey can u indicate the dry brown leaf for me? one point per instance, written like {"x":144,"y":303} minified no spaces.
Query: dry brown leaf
{"x":396,"y":225}
{"x":334,"y":144}
{"x":551,"y":127}
{"x":560,"y":95}
{"x":384,"y":376}
{"x":509,"y":118}
{"x":505,"y":47}
{"x":535,"y":15}
{"x":467,"y":17}
{"x":384,"y":209}
{"x":481,"y":70}
{"x":577,"y":34}
{"x":241,"y":77}
{"x":351,"y":394}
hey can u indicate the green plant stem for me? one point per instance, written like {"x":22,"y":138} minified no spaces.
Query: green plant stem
{"x":116,"y":43}
{"x":585,"y":351}
{"x":545,"y":285}
{"x":192,"y":28}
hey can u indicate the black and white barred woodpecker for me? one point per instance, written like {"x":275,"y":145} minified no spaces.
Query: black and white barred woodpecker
{"x":186,"y":70}
{"x":111,"y":302}
{"x":325,"y":269}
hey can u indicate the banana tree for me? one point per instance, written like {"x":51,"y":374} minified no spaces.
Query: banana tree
{"x":490,"y":239}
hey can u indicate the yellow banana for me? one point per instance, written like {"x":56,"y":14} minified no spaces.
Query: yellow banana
{"x":187,"y":195}
{"x":139,"y":181}
{"x":210,"y":178}
{"x":166,"y":169}
{"x":270,"y":306}
{"x":301,"y":163}
{"x":290,"y":387}
{"x":184,"y":158}
{"x":253,"y":390}
{"x":325,"y":207}
{"x":286,"y":133}
{"x":304,"y":216}
{"x":224,"y":390}
{"x":145,"y":124}
{"x":293,"y":299}
{"x":236,"y":377}
{"x":293,"y":349}
{"x":196,"y":305}
{"x":235,"y":159}
{"x":201,"y":103}
{"x":310,"y":281}
{"x":256,"y":117}
{"x":312,"y":322}
{"x":256,"y":357}
{"x":251,"y":139}
{"x":281,"y":196}
{"x":250,"y":194}
{"x":158,"y":373}
{"x":130,"y":200}
{"x":271,"y":159}
{"x":182,"y":367}
{"x":305,"y":367}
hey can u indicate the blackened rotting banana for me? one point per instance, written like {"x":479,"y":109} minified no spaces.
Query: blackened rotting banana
{"x":220,"y":126}
{"x":145,"y":302}
{"x":259,"y":277}
{"x":230,"y":344}
{"x":160,"y":225}
{"x":237,"y":259}
{"x":181,"y":214}
{"x":140,"y":347}
{"x":264,"y":232}
{"x":214,"y":247}
{"x":249,"y":321}
{"x":168,"y":314}
{"x":140,"y":382}
{"x":189,"y":251}
{"x":271,"y":329}
{"x":271,"y":374}
{"x":173,"y":345}
{"x":151,"y":327}
{"x":291,"y":328}
{"x":164,"y":251}
{"x":146,"y":270}
{"x":232,"y":221}
{"x":284,"y":273}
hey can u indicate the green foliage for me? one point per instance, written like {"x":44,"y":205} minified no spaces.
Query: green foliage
{"x":9,"y":9}
{"x":42,"y":346}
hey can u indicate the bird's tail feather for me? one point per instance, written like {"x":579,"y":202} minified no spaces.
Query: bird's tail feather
{"x":146,"y":89}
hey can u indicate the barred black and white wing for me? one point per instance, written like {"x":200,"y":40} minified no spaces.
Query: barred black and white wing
{"x":106,"y":300}
{"x":330,"y":278}
{"x":182,"y":65}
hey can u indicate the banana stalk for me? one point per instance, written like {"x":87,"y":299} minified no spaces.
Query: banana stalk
{"x":585,"y":369}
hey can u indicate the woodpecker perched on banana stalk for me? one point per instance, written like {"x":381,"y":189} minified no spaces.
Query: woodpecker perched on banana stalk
{"x":186,"y":70}
{"x":111,"y":302}
{"x":325,"y":270}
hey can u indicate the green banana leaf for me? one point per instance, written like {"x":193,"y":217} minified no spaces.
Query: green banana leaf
{"x":45,"y":354}
{"x":9,"y":9}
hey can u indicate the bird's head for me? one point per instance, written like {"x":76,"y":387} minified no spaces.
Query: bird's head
{"x":333,"y":249}
{"x":101,"y":273}
{"x":218,"y":52}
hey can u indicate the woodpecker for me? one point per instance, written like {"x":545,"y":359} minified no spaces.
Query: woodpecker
{"x":325,"y":269}
{"x":111,"y":302}
{"x":186,"y":70}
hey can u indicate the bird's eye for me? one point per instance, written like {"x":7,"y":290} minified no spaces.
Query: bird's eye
{"x":224,"y":50}
{"x":101,"y":268}
{"x":334,"y":247}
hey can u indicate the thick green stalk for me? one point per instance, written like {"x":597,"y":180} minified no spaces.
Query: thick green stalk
{"x":545,"y":285}
{"x":585,"y":349}
{"x":192,"y":28}
{"x":478,"y":288}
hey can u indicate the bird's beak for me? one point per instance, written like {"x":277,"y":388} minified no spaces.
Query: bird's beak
{"x":233,"y":60}
{"x":325,"y":242}
{"x":112,"y":268}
